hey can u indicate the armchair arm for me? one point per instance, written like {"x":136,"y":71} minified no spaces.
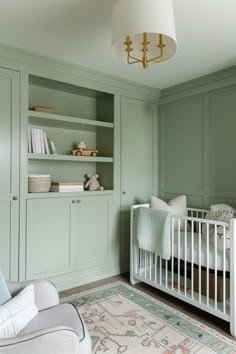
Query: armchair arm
{"x":46,"y":294}
{"x":58,"y":340}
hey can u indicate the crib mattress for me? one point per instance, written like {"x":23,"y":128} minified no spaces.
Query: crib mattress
{"x":212,"y":263}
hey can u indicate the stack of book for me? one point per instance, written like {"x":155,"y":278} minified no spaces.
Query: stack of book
{"x":67,"y":187}
{"x":38,"y":143}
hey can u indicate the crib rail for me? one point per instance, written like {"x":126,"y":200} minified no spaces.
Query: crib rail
{"x":199,"y":268}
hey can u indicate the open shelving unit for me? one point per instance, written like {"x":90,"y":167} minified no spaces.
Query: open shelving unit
{"x":81,"y":114}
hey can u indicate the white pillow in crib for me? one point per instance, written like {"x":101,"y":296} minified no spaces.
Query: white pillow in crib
{"x":177,"y":206}
{"x":219,"y":212}
{"x":17,"y":312}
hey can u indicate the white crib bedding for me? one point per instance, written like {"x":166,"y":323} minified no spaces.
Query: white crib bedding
{"x":203,"y":252}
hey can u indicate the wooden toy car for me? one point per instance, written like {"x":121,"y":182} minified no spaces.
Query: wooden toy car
{"x":84,"y":152}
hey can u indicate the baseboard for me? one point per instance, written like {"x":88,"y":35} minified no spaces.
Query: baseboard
{"x":75,"y":279}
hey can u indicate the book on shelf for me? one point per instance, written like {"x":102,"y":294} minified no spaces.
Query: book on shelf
{"x":30,"y":147}
{"x":67,"y":187}
{"x":45,"y":140}
{"x":38,"y":143}
{"x":54,"y":151}
{"x":43,"y":109}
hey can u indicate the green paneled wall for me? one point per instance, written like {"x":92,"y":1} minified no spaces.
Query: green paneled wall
{"x":197,"y":125}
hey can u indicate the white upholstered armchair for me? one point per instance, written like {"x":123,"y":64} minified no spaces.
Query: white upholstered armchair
{"x":58,"y":328}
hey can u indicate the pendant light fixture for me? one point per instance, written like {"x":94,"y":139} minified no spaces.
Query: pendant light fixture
{"x":143,"y":31}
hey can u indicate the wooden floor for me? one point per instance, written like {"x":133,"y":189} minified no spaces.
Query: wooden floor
{"x":202,"y":316}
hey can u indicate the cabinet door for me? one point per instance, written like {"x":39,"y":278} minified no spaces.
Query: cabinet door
{"x":90,"y":228}
{"x":48,"y":251}
{"x":9,"y":172}
{"x":138,"y":160}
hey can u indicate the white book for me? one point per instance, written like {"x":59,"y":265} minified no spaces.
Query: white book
{"x":37,"y":141}
{"x":33,"y":137}
{"x":29,"y":140}
{"x":41,"y":141}
{"x":45,"y":143}
{"x":67,"y":187}
{"x":63,"y":189}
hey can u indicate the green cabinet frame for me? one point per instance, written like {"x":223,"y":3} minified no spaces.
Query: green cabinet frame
{"x":9,"y":175}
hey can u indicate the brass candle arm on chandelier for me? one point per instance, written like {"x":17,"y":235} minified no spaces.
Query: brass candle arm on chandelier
{"x":143,"y":31}
{"x":144,"y":60}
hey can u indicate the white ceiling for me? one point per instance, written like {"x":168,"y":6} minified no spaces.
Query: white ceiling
{"x":79,"y":31}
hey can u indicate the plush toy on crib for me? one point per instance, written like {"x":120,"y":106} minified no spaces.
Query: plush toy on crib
{"x":92,"y":184}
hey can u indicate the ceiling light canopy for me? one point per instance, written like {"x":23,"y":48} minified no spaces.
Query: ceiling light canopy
{"x":143,"y":31}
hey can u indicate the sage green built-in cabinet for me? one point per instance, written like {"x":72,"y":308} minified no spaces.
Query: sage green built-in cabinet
{"x":9,"y":172}
{"x":67,"y":234}
{"x":79,"y":237}
{"x":138,"y":160}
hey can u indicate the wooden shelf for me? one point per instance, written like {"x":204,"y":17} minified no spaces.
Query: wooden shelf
{"x":66,"y":122}
{"x":68,"y":194}
{"x":69,"y":158}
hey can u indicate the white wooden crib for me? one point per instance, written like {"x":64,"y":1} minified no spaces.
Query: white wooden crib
{"x":198,"y":272}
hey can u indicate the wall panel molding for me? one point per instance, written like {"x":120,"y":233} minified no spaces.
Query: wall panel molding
{"x":204,"y":84}
{"x":208,"y":102}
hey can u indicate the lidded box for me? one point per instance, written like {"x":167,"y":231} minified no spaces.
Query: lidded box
{"x":39,"y":183}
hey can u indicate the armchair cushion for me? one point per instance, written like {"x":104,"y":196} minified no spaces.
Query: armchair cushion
{"x":58,"y":340}
{"x":57,"y":329}
{"x":17,"y":313}
{"x":4,"y":292}
{"x":46,"y":294}
{"x":65,"y":315}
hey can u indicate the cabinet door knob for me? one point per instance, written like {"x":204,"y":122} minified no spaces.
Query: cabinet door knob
{"x":15,"y":198}
{"x":124,"y":192}
{"x":73,"y":201}
{"x":78,"y":201}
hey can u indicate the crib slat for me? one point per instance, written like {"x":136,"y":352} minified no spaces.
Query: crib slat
{"x":215,"y":235}
{"x":185,"y":257}
{"x":160,"y":270}
{"x":145,"y":264}
{"x":166,"y":273}
{"x":178,"y":255}
{"x":224,"y":279}
{"x":200,"y":263}
{"x":192,"y":260}
{"x":172,"y":252}
{"x":207,"y":277}
{"x":140,"y":261}
{"x":155,"y":268}
{"x":150,"y":265}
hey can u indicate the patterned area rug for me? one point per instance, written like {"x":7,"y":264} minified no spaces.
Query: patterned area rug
{"x":121,"y":319}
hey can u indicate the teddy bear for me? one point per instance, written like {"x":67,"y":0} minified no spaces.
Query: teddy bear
{"x":92,"y":184}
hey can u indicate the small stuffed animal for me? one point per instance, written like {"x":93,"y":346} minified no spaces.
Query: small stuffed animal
{"x":92,"y":184}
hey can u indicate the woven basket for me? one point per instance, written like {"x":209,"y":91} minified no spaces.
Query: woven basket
{"x":39,"y":183}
